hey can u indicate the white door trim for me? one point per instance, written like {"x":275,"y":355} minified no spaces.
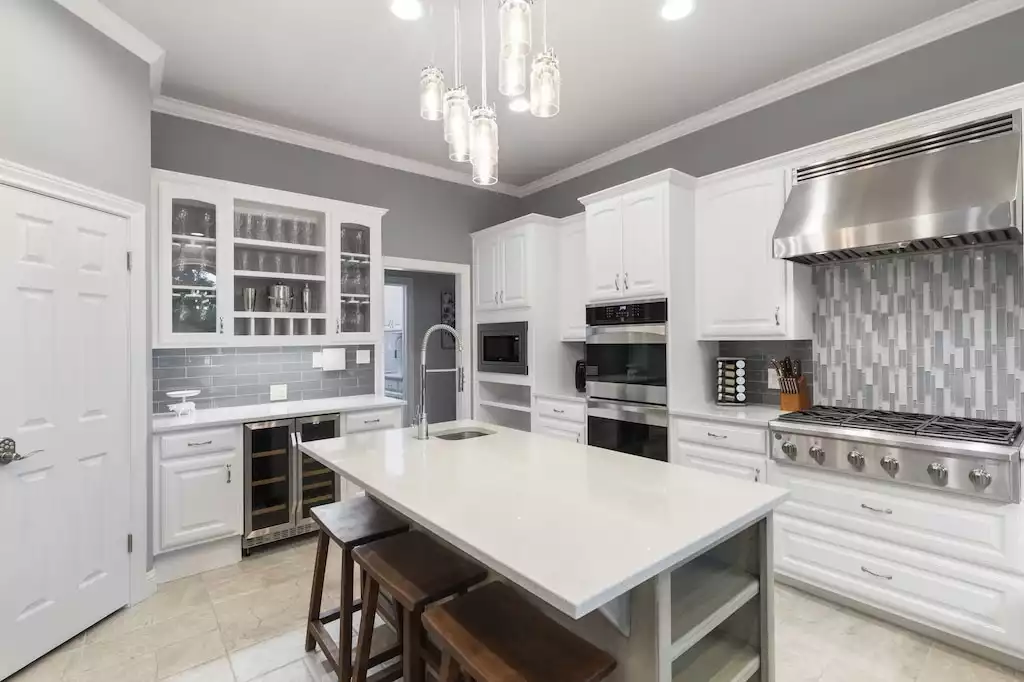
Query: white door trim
{"x":463,"y":319}
{"x":139,"y":408}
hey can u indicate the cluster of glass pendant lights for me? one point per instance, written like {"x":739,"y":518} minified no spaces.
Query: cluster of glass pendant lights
{"x":472,"y":134}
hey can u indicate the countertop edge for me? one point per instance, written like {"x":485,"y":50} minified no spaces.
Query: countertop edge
{"x":160,"y":425}
{"x":553,"y":395}
{"x":712,"y":415}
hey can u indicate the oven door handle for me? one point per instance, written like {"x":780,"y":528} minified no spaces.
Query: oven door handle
{"x":637,"y":413}
{"x":628,"y":334}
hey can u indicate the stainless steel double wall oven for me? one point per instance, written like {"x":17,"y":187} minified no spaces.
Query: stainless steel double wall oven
{"x":627,"y":378}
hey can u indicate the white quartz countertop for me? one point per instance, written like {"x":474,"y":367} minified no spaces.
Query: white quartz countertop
{"x":573,"y":524}
{"x":751,"y":415}
{"x":293,"y":408}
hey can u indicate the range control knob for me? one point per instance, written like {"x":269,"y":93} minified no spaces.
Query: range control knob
{"x":789,"y":449}
{"x":939,"y":473}
{"x":891,"y":465}
{"x":855,"y":459}
{"x":980,"y":478}
{"x":817,"y":453}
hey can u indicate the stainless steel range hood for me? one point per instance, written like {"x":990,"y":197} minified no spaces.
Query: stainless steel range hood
{"x":957,"y":188}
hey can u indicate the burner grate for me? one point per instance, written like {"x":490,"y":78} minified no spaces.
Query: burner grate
{"x":824,"y":414}
{"x":893,"y":422}
{"x":975,"y":430}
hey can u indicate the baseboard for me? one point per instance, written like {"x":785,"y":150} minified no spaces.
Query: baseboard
{"x":208,"y":556}
{"x":982,"y":650}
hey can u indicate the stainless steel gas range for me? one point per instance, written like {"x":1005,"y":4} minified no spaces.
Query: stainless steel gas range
{"x":977,"y":457}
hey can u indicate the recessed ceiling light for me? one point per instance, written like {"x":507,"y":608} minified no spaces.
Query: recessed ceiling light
{"x":674,"y":10}
{"x":519,"y":104}
{"x":410,"y":10}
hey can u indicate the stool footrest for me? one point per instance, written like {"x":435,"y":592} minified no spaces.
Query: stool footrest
{"x":389,"y":674}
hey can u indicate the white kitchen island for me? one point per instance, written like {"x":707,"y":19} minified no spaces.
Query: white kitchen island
{"x":665,"y":567}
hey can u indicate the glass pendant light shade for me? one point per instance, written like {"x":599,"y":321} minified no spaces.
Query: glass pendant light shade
{"x":515,"y":28}
{"x":545,"y":85}
{"x":431,"y":94}
{"x":457,"y":123}
{"x":512,"y":75}
{"x":483,"y":145}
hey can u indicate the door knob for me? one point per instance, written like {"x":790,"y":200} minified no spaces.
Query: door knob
{"x":8,"y":452}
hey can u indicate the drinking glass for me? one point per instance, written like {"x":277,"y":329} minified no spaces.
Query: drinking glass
{"x":244,"y":259}
{"x":249,"y":231}
{"x":261,"y":261}
{"x":276,"y":228}
{"x":208,"y":229}
{"x":181,"y":221}
{"x":359,"y":242}
{"x":293,"y":263}
{"x":308,"y":265}
{"x":343,"y":317}
{"x":344,"y":240}
{"x":295,"y":231}
{"x":357,"y":281}
{"x":345,"y":278}
{"x":261,"y":227}
{"x":360,"y":318}
{"x":307,"y":233}
{"x":278,"y":262}
{"x":239,"y":225}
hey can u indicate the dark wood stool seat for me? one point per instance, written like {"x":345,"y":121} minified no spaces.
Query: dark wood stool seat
{"x":494,"y":635}
{"x":348,"y":524}
{"x":416,"y":571}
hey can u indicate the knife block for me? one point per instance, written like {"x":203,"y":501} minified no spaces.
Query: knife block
{"x":794,"y":402}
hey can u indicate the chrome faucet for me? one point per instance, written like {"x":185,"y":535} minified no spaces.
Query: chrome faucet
{"x":422,"y":432}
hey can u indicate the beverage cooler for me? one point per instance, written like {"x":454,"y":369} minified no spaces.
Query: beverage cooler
{"x":282,"y":484}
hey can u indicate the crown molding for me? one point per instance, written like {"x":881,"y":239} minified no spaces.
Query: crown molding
{"x":104,"y":20}
{"x":930,"y":31}
{"x":224,"y":119}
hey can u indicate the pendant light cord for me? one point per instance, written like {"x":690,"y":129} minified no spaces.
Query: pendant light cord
{"x":483,"y":51}
{"x":458,"y":46}
{"x":433,"y":34}
{"x":545,"y":18}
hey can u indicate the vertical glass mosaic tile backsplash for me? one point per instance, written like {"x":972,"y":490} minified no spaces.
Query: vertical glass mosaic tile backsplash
{"x":939,"y":333}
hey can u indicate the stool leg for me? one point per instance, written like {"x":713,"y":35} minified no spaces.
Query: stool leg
{"x":365,"y":642}
{"x":345,"y":645}
{"x":450,"y":671}
{"x":323,"y":543}
{"x":413,"y":669}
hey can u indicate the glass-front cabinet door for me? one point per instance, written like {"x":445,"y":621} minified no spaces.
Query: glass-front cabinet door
{"x":194,"y":228}
{"x":359,"y":283}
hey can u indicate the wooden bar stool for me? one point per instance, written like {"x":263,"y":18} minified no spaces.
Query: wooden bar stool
{"x":416,"y":571}
{"x":349,"y":524}
{"x":494,"y":635}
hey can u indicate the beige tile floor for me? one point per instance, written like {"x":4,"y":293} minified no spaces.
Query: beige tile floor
{"x":245,"y":623}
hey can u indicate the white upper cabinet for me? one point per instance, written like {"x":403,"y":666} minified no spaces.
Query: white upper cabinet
{"x":500,"y":260}
{"x":572,"y":279}
{"x":742,"y":291}
{"x":644,"y":221}
{"x":627,"y":238}
{"x":223,"y":247}
{"x":604,"y":250}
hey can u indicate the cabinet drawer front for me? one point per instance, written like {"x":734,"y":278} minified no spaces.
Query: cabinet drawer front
{"x":560,"y":429}
{"x":723,"y":435}
{"x":953,"y":596}
{"x":198,"y":442}
{"x":979,"y":532}
{"x":562,"y":410}
{"x":372,"y":420}
{"x":718,"y":461}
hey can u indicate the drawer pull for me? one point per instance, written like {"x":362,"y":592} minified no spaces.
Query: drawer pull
{"x":715,"y":435}
{"x":557,"y":411}
{"x":877,"y":575}
{"x":371,"y":421}
{"x":875,"y":509}
{"x":199,"y":445}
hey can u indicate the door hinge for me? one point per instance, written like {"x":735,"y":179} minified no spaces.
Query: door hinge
{"x":130,"y":543}
{"x":128,"y":260}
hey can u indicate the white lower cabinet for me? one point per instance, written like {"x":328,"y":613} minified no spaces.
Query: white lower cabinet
{"x":200,"y":498}
{"x":560,"y":429}
{"x":561,"y":418}
{"x":730,"y":450}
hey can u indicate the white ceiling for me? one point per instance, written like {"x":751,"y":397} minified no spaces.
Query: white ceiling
{"x":348,"y":69}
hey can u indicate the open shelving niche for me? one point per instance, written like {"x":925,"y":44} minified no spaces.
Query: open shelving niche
{"x":714,"y":614}
{"x":505,"y":404}
{"x":295,"y":255}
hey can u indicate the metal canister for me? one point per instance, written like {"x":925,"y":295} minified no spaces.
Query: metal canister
{"x":249,"y":299}
{"x":280,"y":298}
{"x":307,"y":299}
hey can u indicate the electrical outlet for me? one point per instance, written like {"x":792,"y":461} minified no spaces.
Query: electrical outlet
{"x":773,"y":380}
{"x":318,"y":360}
{"x":279,"y":391}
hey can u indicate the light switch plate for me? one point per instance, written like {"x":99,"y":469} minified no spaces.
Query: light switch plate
{"x":773,"y":381}
{"x":362,"y":357}
{"x":318,"y":360}
{"x":279,"y":391}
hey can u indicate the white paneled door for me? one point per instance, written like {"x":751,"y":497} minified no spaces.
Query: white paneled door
{"x":64,"y":497}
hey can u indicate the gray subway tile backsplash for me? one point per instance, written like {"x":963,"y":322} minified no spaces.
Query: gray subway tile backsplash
{"x":757,"y":355}
{"x":231,"y":377}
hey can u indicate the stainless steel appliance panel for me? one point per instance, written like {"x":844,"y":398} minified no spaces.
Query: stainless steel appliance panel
{"x":503,"y":348}
{"x":631,"y":428}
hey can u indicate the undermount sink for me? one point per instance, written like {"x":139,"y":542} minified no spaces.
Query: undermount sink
{"x":463,"y":434}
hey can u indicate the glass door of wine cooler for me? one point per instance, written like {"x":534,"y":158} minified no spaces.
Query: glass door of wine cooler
{"x":270,"y":499}
{"x":316,"y":483}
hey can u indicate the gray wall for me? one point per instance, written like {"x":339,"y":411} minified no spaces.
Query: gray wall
{"x":426,"y":218}
{"x":424,"y":310}
{"x":972,"y":62}
{"x":75,"y":104}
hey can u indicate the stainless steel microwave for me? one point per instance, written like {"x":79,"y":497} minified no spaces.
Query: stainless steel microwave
{"x":502,"y":348}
